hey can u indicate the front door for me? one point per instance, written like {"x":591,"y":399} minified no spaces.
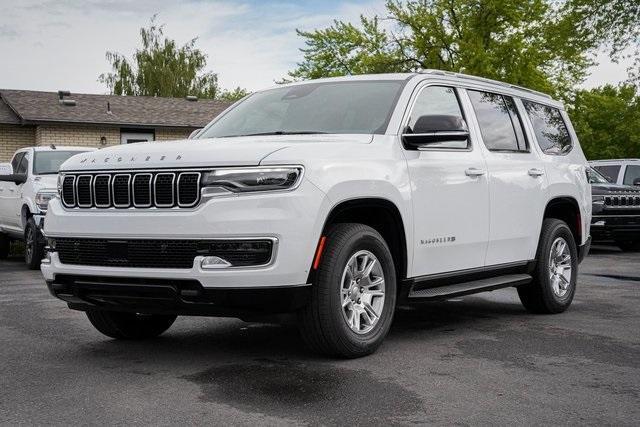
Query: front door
{"x":450,"y":194}
{"x":9,"y":194}
{"x":516,"y":175}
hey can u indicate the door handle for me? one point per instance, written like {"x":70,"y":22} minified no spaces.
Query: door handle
{"x":12,"y":190}
{"x":535,"y":172}
{"x":474,"y":172}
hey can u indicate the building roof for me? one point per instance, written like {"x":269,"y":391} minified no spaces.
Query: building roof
{"x":34,"y":107}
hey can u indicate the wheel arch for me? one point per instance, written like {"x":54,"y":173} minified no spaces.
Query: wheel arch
{"x":25,"y":213}
{"x":567,"y":209}
{"x":382,"y":215}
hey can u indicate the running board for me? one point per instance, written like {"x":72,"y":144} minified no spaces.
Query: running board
{"x":448,"y":291}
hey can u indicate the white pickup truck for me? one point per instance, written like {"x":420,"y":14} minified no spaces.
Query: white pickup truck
{"x":27,"y":184}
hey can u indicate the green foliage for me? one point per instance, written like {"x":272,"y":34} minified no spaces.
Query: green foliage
{"x":525,"y":42}
{"x":607,"y":121}
{"x":234,"y":94}
{"x":613,"y":24}
{"x":162,"y":68}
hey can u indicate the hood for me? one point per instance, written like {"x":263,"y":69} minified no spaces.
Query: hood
{"x":604,"y":189}
{"x":42,"y":182}
{"x":238,"y":151}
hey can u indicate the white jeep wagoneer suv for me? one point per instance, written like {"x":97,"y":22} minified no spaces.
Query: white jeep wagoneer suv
{"x":334,"y":199}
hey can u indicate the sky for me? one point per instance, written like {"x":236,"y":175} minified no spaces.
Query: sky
{"x":60,"y":44}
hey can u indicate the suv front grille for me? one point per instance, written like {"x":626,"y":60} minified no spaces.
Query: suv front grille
{"x":160,"y":253}
{"x":132,"y":189}
{"x":623,"y":201}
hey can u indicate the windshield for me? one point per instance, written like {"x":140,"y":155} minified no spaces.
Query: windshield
{"x":49,"y":162}
{"x":595,"y":177}
{"x":330,"y":107}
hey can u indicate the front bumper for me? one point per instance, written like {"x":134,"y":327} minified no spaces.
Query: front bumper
{"x":173,"y":296}
{"x":294,"y":218}
{"x":616,"y":228}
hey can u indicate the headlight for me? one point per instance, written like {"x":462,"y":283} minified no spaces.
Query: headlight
{"x":43,"y":197}
{"x":244,"y":180}
{"x":598,"y":200}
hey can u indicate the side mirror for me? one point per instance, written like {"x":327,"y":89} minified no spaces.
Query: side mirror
{"x":194,"y":133}
{"x":437,"y":131}
{"x":15,"y":178}
{"x":636,"y":182}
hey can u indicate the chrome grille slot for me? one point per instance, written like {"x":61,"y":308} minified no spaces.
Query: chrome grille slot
{"x":101,"y":191}
{"x":68,"y":191}
{"x":164,"y":189}
{"x":83,"y":191}
{"x":141,"y":188}
{"x":120,"y":190}
{"x":188,"y":189}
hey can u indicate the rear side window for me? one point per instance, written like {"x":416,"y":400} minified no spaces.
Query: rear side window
{"x":632,"y":174}
{"x":550,"y":129}
{"x":609,"y":172}
{"x":499,"y":121}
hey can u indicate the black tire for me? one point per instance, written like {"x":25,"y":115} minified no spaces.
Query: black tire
{"x":629,"y":245}
{"x":33,"y":247}
{"x":323,"y":324}
{"x":5,"y":246}
{"x":130,"y":326}
{"x":539,"y":296}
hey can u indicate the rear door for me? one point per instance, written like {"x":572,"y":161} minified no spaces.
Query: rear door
{"x":517,"y":183}
{"x":450,"y":192}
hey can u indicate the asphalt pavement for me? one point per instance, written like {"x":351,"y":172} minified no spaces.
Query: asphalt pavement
{"x":477,"y":360}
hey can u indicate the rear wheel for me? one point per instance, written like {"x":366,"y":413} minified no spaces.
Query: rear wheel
{"x":5,"y":246}
{"x":556,"y":272}
{"x":353,"y":296}
{"x":130,"y":326}
{"x":33,"y":247}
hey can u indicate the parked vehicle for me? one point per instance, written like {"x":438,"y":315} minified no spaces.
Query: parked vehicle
{"x":622,"y":171}
{"x":335,"y":199}
{"x":616,"y":212}
{"x":27,"y":184}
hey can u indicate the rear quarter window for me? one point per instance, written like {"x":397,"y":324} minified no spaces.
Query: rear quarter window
{"x":550,"y":129}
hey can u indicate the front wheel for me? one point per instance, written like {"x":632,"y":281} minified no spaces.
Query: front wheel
{"x":556,"y":272}
{"x":354,"y":294}
{"x":130,"y":326}
{"x":33,"y":247}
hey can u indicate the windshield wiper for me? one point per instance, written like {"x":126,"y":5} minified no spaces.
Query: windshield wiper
{"x":280,"y":132}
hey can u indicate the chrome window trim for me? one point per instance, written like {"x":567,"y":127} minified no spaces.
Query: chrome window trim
{"x":113,"y":192}
{"x":173,"y":192}
{"x":133,"y":190}
{"x":77,"y":182}
{"x":197,"y":200}
{"x":95,"y":200}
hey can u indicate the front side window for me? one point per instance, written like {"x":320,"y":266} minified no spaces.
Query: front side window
{"x":16,"y":161}
{"x":631,"y":175}
{"x":499,"y":121}
{"x":437,"y":101}
{"x":595,"y":177}
{"x":550,"y":129}
{"x":49,"y":162}
{"x":351,"y":107}
{"x":610,"y":172}
{"x":22,"y":166}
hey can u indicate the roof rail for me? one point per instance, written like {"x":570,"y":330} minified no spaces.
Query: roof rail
{"x":614,"y":160}
{"x":482,"y":79}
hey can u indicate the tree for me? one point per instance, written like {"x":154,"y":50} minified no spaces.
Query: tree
{"x":162,"y":68}
{"x":526,"y":42}
{"x":607,"y":121}
{"x":612,"y":24}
